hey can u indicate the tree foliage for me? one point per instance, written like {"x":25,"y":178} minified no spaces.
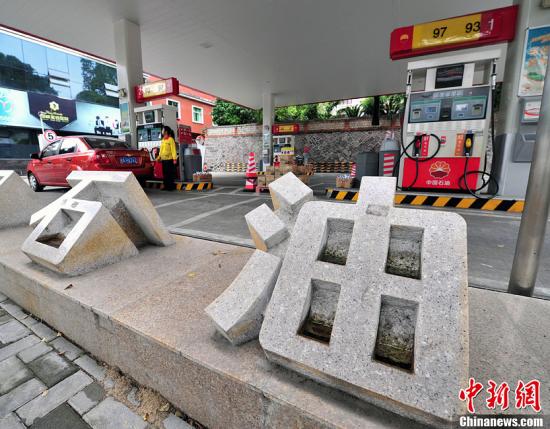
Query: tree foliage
{"x":94,"y":77}
{"x":352,"y":111}
{"x":19,"y":75}
{"x":227,"y":113}
{"x":390,"y":105}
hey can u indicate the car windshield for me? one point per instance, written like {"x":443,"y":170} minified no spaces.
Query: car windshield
{"x":99,"y":143}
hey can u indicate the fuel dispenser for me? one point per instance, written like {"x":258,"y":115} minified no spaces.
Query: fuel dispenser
{"x":446,"y":123}
{"x":150,"y":120}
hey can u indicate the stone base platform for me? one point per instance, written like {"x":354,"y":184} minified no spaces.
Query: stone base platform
{"x":146,"y":316}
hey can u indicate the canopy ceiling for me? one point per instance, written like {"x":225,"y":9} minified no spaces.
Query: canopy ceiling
{"x":306,"y":50}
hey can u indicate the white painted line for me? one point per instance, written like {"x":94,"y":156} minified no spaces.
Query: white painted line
{"x":220,"y":238}
{"x":171,"y":203}
{"x":211,"y":212}
{"x":236,"y":191}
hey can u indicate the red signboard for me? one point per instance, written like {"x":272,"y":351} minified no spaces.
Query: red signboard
{"x":184,"y":134}
{"x":158,"y":89}
{"x":439,"y":173}
{"x":466,"y":31}
{"x":286,"y":128}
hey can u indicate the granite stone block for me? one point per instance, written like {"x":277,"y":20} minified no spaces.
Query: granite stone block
{"x":270,"y":232}
{"x":266,"y":229}
{"x":238,"y":311}
{"x":289,"y":193}
{"x":77,"y":238}
{"x":384,"y":319}
{"x":103,"y":219}
{"x":123,"y":197}
{"x":17,"y":200}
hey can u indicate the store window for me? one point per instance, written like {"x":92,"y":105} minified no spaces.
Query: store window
{"x":35,"y":56}
{"x":10,"y":45}
{"x":176,"y":104}
{"x":198,"y":115}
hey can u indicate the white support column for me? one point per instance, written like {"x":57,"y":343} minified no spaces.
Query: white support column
{"x":129,"y":72}
{"x":268,"y":116}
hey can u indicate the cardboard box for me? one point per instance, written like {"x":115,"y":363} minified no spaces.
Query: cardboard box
{"x":345,"y":183}
{"x":202,"y":177}
{"x":286,"y":159}
{"x":304,"y":178}
{"x":299,"y":169}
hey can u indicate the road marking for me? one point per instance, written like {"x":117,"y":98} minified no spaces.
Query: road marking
{"x":220,"y":238}
{"x":236,"y":190}
{"x":211,"y":212}
{"x":182,"y":200}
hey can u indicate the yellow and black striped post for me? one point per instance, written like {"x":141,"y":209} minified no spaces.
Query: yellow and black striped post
{"x":493,"y":204}
{"x":181,"y":186}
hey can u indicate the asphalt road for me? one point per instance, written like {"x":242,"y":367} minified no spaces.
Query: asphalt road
{"x":219,"y":215}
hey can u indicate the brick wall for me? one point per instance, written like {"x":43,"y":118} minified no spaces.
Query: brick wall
{"x":330,"y":141}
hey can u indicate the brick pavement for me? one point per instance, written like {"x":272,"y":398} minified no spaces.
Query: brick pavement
{"x":48,"y":382}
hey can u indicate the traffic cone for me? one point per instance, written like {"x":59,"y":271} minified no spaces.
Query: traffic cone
{"x":353,"y":173}
{"x":251,"y":174}
{"x":353,"y":170}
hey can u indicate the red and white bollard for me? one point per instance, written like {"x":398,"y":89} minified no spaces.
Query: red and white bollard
{"x":353,"y":172}
{"x":251,"y":174}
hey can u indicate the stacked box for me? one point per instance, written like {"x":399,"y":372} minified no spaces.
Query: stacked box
{"x":286,"y":159}
{"x":344,"y":182}
{"x":202,"y":177}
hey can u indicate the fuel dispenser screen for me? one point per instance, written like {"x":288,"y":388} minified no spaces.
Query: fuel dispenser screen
{"x":449,"y":105}
{"x":448,"y":77}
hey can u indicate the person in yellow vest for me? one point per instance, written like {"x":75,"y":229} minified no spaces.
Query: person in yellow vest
{"x":168,"y":155}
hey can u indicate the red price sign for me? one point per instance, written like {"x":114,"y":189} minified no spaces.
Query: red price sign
{"x":158,"y":89}
{"x":482,"y":28}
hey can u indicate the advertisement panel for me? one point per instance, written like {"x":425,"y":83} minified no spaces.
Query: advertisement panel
{"x":55,"y":112}
{"x":22,"y":109}
{"x":535,"y":58}
{"x":96,"y":119}
{"x":14,"y":109}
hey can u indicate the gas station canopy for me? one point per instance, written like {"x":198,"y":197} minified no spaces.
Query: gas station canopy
{"x":305,"y":51}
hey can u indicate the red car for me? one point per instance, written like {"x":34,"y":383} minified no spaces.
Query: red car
{"x":56,"y":161}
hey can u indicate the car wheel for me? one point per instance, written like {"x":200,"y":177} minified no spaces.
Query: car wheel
{"x":35,"y":186}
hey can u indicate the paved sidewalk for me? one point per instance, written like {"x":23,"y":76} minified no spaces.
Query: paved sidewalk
{"x":48,"y":382}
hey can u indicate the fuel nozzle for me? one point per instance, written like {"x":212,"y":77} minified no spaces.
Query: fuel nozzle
{"x":469,"y":144}
{"x":417,"y":145}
